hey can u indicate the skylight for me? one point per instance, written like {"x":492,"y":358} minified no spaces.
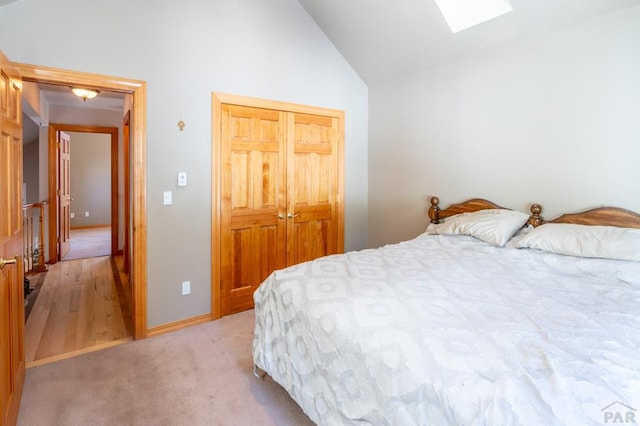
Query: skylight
{"x":462,"y":14}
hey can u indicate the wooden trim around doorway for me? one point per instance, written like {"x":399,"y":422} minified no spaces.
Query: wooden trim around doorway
{"x":126,"y":137}
{"x":53,"y":182}
{"x":138,"y":89}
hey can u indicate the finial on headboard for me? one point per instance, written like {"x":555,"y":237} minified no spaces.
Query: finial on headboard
{"x":535,"y":219}
{"x":434,"y":210}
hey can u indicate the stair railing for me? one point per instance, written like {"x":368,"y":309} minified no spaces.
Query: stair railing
{"x":34,"y":238}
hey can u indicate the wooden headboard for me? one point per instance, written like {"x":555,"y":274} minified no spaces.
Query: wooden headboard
{"x":436,"y":214}
{"x":604,"y":216}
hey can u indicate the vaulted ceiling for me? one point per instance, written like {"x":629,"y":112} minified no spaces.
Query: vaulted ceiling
{"x":384,"y":40}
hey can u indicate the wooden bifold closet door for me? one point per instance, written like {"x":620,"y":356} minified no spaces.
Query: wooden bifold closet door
{"x":280,"y":193}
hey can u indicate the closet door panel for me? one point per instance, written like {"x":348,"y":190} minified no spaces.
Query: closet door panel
{"x":242,"y":251}
{"x":313,"y":235}
{"x":253,"y":192}
{"x":313,"y":177}
{"x":254,"y":249}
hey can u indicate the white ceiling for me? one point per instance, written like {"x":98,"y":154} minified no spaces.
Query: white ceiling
{"x":384,"y":40}
{"x":57,"y":95}
{"x":30,"y":130}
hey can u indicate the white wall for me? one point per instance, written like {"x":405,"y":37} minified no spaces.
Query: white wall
{"x":88,"y":116}
{"x":553,"y":120}
{"x":185,"y":50}
{"x":90,"y":179}
{"x":30,"y":170}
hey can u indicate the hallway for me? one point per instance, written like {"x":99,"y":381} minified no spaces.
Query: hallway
{"x":84,"y":305}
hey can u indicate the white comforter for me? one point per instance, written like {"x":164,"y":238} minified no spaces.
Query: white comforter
{"x":450,"y":330}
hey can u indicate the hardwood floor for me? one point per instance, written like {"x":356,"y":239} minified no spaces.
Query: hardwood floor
{"x":84,"y":305}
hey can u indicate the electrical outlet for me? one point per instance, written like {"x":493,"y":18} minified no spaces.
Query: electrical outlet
{"x":86,"y":214}
{"x":73,"y":215}
{"x":167,"y":198}
{"x":186,"y":288}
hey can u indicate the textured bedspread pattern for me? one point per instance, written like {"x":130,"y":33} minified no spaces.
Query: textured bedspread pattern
{"x":450,"y":330}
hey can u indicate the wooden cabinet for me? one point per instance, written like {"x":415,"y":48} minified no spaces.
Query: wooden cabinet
{"x":280,"y":191}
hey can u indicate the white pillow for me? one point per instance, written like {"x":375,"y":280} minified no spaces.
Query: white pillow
{"x":494,"y":226}
{"x":608,"y":242}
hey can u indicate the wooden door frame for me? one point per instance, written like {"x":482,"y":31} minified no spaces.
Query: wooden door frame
{"x":54,"y":254}
{"x":138,"y":90}
{"x":126,"y":135}
{"x":217,"y":99}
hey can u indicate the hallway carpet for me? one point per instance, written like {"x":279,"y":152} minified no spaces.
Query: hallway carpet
{"x":89,"y":242}
{"x":202,"y":375}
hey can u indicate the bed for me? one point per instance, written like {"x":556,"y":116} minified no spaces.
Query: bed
{"x":448,"y":328}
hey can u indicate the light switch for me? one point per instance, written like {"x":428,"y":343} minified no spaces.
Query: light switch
{"x":182,"y":178}
{"x":167,"y":198}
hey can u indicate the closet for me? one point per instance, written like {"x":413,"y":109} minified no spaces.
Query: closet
{"x":278,"y":185}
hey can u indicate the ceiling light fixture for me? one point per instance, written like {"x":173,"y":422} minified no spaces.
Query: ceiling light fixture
{"x":462,"y":14}
{"x":85,"y":93}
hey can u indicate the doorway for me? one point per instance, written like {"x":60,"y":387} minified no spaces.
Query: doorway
{"x":83,"y":303}
{"x":138,"y":225}
{"x":83,"y":194}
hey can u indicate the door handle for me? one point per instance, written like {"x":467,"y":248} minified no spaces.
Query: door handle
{"x":280,"y":216}
{"x":4,"y":261}
{"x":291,"y":215}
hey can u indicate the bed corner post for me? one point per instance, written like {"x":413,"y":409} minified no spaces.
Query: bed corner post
{"x":535,"y":219}
{"x":434,"y":210}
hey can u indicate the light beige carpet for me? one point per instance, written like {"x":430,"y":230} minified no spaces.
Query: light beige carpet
{"x":89,"y":242}
{"x":202,"y":375}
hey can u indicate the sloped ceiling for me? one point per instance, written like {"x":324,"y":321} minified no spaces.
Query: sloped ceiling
{"x":384,"y":40}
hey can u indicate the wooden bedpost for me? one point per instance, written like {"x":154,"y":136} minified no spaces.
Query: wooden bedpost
{"x":535,"y":219}
{"x":434,"y":210}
